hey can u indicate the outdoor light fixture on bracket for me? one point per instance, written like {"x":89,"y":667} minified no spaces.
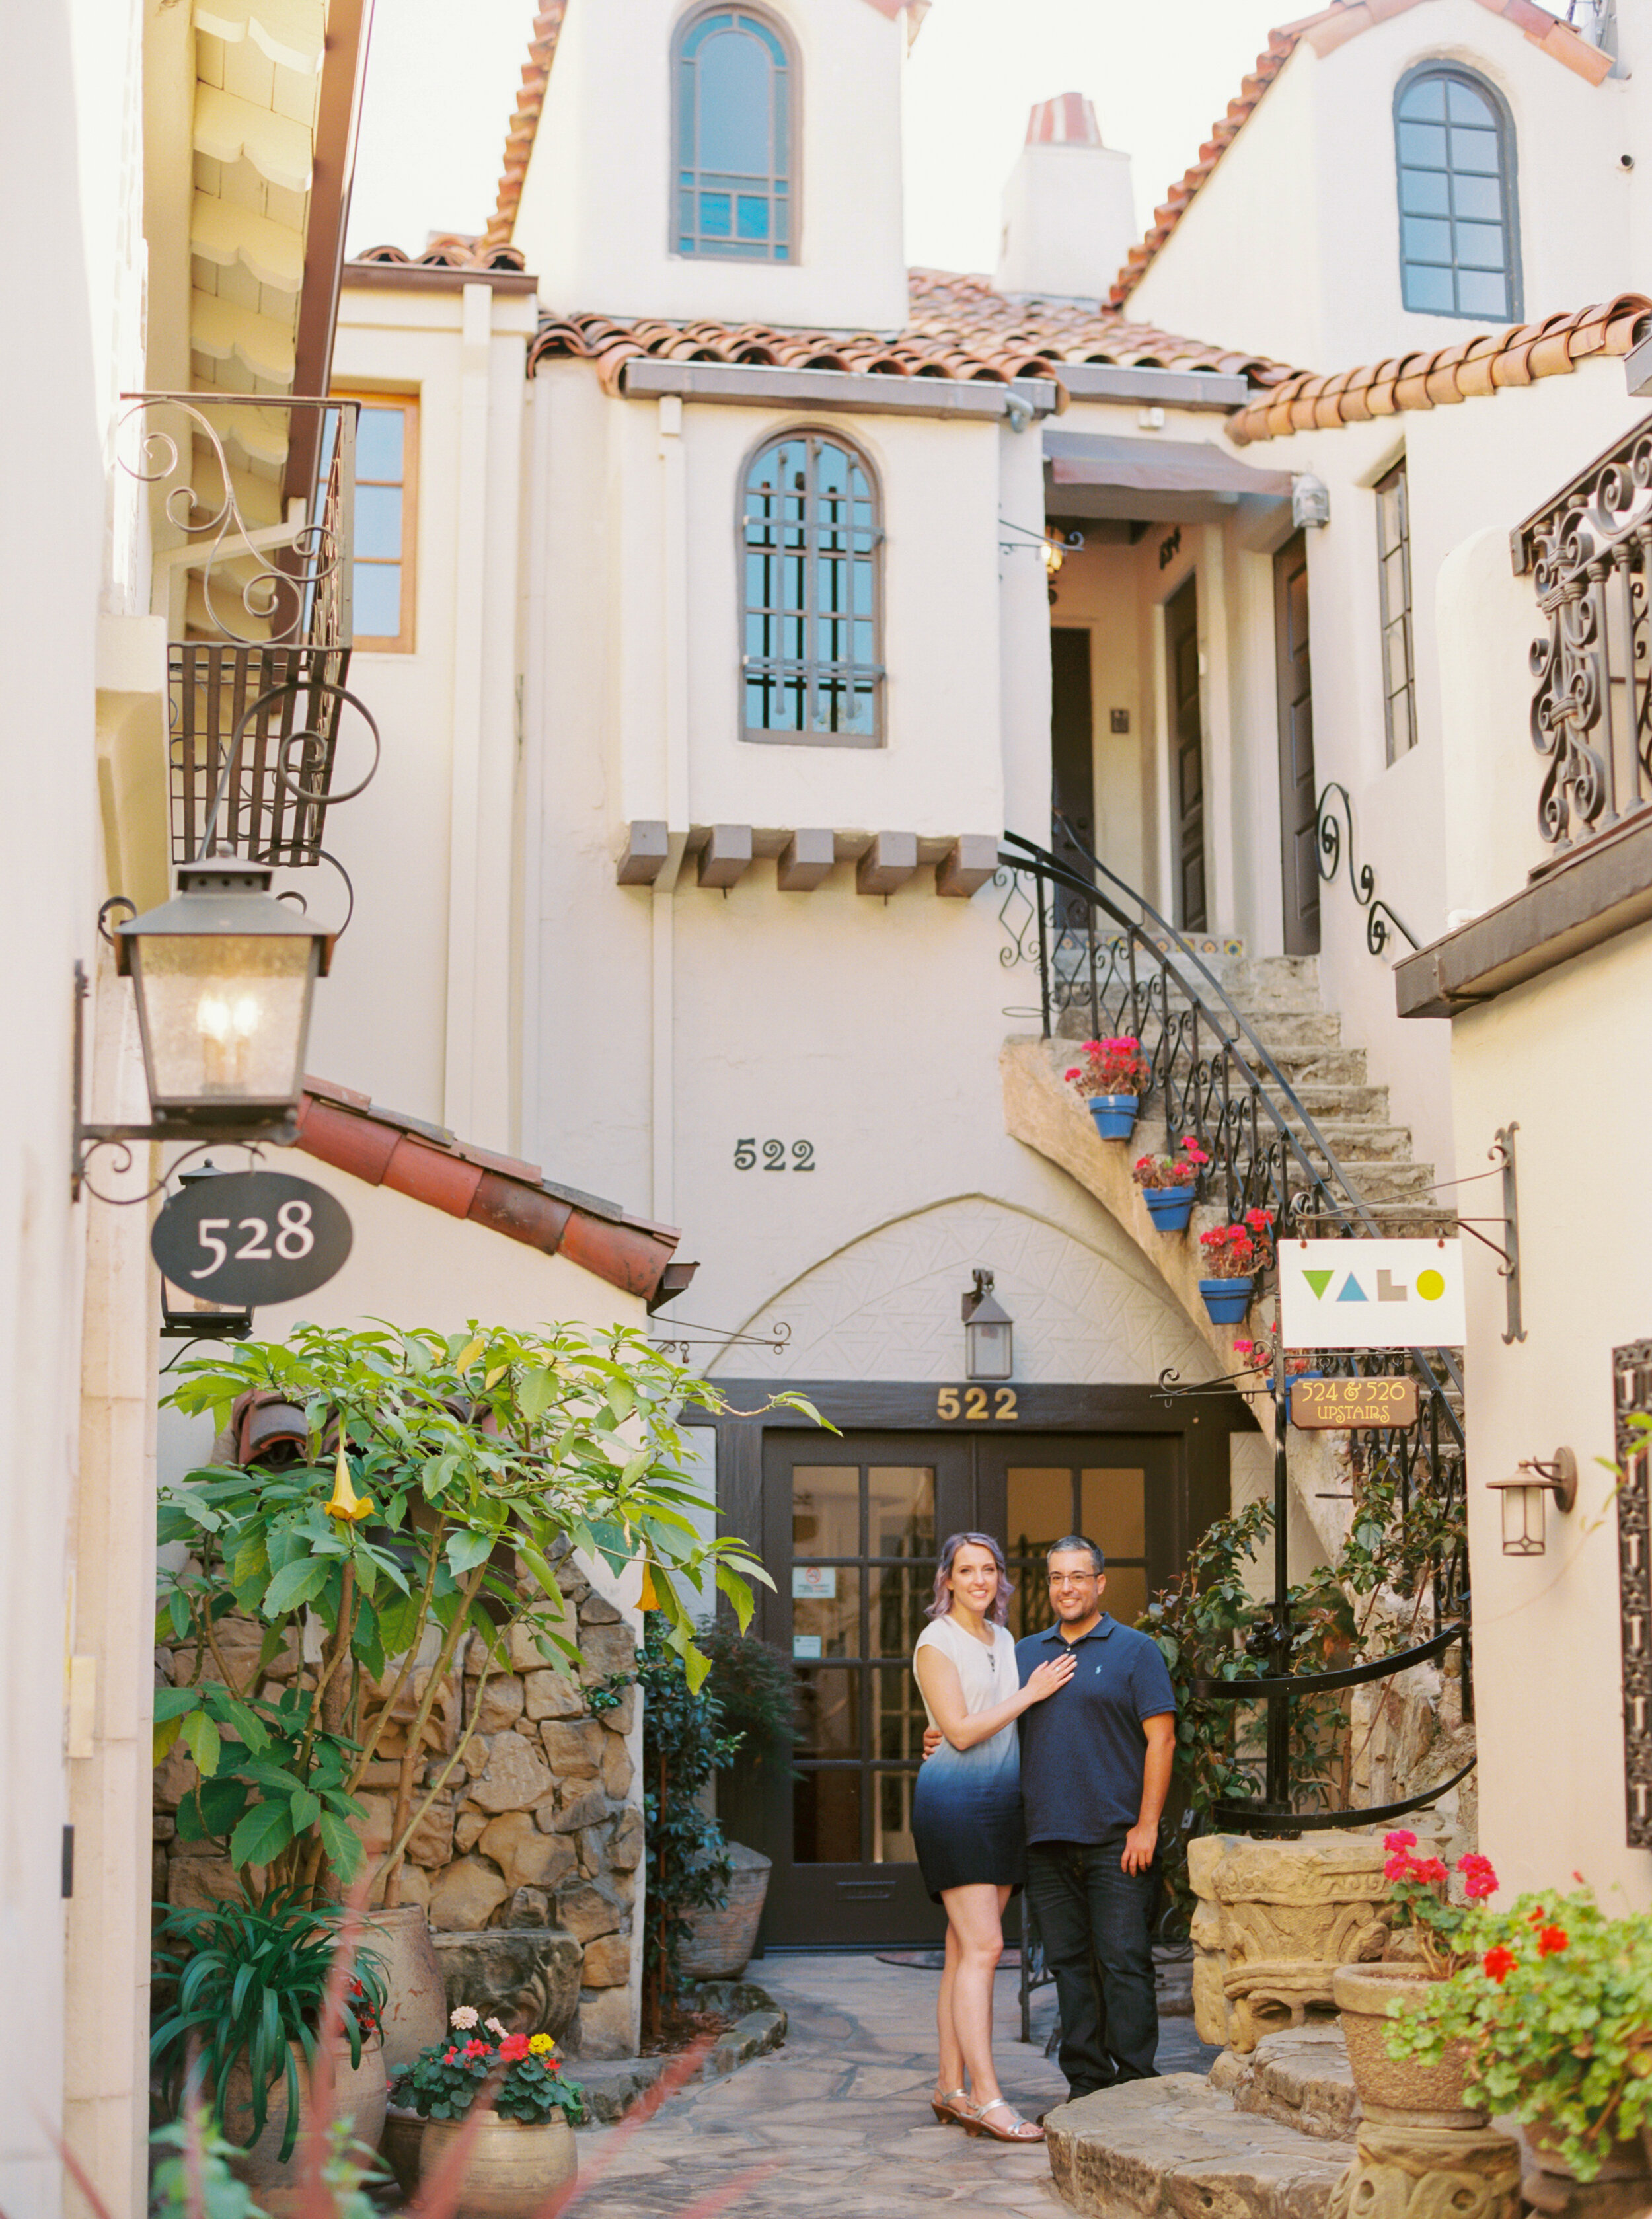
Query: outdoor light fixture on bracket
{"x":1522,"y":1500}
{"x":1310,"y":501}
{"x":224,"y":975}
{"x":184,"y":1317}
{"x":989,"y":1332}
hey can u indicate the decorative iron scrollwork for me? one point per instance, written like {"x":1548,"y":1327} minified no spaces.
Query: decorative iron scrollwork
{"x":1592,"y":702}
{"x":1632,"y":1398}
{"x":1380,"y":919}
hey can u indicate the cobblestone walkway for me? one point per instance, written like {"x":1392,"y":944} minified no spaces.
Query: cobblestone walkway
{"x":841,"y":2114}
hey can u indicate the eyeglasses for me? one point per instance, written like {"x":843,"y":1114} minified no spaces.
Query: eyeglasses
{"x":1074,"y":1579}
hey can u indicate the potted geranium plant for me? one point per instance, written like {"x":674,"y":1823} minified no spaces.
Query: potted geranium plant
{"x":1553,"y":2011}
{"x":1431,"y":1938}
{"x":520,"y":2148}
{"x":1168,"y":1185}
{"x":242,"y":1995}
{"x":1233,"y":1256}
{"x":1113,"y":1076}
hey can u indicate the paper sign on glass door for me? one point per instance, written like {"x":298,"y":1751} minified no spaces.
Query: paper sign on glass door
{"x":814,"y":1582}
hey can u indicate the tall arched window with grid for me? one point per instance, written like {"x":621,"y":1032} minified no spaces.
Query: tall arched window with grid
{"x":735,"y":125}
{"x":811,"y":545}
{"x":1459,"y":245}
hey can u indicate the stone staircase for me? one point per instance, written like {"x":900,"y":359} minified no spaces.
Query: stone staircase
{"x":1281,"y":996}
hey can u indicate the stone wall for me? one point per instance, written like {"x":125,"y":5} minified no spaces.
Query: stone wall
{"x":540,"y":1826}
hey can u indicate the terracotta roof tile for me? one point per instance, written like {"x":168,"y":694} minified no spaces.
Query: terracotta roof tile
{"x":1325,"y":32}
{"x":1467,"y":370}
{"x":386,"y":1148}
{"x":959,"y":327}
{"x":452,"y":250}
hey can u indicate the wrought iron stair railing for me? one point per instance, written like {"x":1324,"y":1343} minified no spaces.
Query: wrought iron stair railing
{"x":1104,"y":952}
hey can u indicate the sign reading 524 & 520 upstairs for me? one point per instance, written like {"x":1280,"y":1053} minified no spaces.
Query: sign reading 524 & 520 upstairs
{"x":1370,"y":1294}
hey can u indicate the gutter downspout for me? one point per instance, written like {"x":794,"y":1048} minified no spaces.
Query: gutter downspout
{"x":674,"y":505}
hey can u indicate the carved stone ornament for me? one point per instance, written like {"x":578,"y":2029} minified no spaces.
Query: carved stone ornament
{"x":1429,"y":2173}
{"x":1274,"y":1921}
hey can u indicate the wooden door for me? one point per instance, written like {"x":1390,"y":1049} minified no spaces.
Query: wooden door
{"x":1072,"y":762}
{"x":852,"y":1530}
{"x":1127,"y":1493}
{"x":1299,"y":860}
{"x":1187,"y":757}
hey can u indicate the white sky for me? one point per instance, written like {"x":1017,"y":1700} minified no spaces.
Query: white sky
{"x":443,"y":75}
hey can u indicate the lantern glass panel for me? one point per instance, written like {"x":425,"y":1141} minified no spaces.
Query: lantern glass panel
{"x":223,"y":1016}
{"x":1523,"y":1521}
{"x":987,"y":1350}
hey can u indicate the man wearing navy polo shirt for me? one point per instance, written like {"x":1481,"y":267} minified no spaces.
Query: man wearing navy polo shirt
{"x":1095,"y":1771}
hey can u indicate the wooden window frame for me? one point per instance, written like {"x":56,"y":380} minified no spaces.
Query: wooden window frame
{"x":402,"y":642}
{"x":1449,"y":73}
{"x":1401,"y":618}
{"x":782,"y":189}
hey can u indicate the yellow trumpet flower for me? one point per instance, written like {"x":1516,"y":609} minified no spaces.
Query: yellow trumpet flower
{"x":648,"y":1600}
{"x":346,"y":1502}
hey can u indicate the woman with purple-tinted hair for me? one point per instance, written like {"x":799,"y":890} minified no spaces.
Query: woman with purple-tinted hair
{"x":966,"y":1819}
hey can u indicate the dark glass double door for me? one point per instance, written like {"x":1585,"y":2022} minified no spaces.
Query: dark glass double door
{"x":851,"y":1531}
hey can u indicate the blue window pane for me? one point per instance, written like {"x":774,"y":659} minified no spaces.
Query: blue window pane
{"x":1426,"y":100}
{"x":1428,"y":289}
{"x":1465,"y":105}
{"x":734,"y":104}
{"x":1422,"y":143}
{"x":751,"y":216}
{"x":1480,"y":245}
{"x":378,"y":521}
{"x":707,"y":27}
{"x":1483,"y":293}
{"x":1478,"y":197}
{"x":375,"y":591}
{"x":379,"y":444}
{"x":1474,"y":153}
{"x":714,"y":213}
{"x":1426,"y":192}
{"x":1425,"y":240}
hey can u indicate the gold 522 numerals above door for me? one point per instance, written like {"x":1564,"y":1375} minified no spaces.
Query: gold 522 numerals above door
{"x":996,"y":1403}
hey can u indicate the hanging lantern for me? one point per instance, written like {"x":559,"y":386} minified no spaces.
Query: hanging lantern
{"x":1522,"y":1501}
{"x":989,"y":1332}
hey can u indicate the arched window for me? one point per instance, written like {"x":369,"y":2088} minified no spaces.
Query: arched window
{"x":733,"y":128}
{"x":810,"y":547}
{"x":1459,"y":249}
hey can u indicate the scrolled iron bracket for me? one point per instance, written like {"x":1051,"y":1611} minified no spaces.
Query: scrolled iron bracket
{"x":1380,"y":919}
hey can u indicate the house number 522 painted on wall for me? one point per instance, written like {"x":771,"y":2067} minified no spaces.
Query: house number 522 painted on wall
{"x":803,"y":1155}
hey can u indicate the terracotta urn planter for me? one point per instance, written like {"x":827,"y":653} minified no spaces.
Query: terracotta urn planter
{"x":359,"y":2097}
{"x":511,"y":2167}
{"x":399,"y":2146}
{"x":718,"y":1944}
{"x":415,"y":1998}
{"x":1400,"y":2091}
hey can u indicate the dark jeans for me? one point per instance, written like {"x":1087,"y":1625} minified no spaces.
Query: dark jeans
{"x":1093,"y":1917}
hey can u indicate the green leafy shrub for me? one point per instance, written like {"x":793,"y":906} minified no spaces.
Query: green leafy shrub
{"x":755,"y":1690}
{"x":444,"y":2080}
{"x":688,"y":1867}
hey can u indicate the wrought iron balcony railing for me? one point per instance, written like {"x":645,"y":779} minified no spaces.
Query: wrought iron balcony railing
{"x":1585,"y":552}
{"x":257,"y":580}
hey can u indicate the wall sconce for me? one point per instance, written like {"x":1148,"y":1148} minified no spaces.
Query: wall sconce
{"x":989,"y":1332}
{"x":1522,"y":1500}
{"x":223,"y":975}
{"x":1310,"y":501}
{"x":184,"y":1317}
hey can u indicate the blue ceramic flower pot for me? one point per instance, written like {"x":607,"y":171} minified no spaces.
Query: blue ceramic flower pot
{"x":1114,"y":1115}
{"x":1172,"y":1207}
{"x":1227,"y":1300}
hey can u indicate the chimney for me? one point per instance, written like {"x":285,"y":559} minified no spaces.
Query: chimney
{"x":1069,"y":216}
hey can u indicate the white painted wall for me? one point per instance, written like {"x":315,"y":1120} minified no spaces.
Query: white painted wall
{"x":596,"y":216}
{"x":419,"y":1012}
{"x":1291,"y":245}
{"x":1069,"y":220}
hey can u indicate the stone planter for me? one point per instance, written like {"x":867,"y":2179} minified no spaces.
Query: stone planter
{"x":718,"y":1944}
{"x":415,"y":2004}
{"x":1400,"y":2092}
{"x":510,"y":2170}
{"x":359,"y":2097}
{"x":399,"y":2146}
{"x":1170,"y":1207}
{"x":1627,"y":2157}
{"x":1114,"y":1114}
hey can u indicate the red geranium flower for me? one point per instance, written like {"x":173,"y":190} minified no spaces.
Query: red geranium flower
{"x":1399,"y":1840}
{"x":1552,"y":1941}
{"x":1499,"y":1963}
{"x":514,"y":2049}
{"x":474,"y":2048}
{"x":453,"y":2057}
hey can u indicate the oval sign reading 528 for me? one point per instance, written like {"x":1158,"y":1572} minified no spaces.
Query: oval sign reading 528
{"x":249,"y":1239}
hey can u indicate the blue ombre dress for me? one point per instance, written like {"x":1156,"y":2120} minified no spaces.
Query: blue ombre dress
{"x":966,"y":1820}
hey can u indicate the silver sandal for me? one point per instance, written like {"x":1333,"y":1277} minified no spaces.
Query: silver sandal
{"x":1020,"y":2130}
{"x":943,"y":2106}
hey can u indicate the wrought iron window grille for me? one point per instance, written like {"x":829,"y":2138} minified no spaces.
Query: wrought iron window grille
{"x":811,"y":543}
{"x":262,"y":623}
{"x":1586,"y":553}
{"x":1632,"y":1401}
